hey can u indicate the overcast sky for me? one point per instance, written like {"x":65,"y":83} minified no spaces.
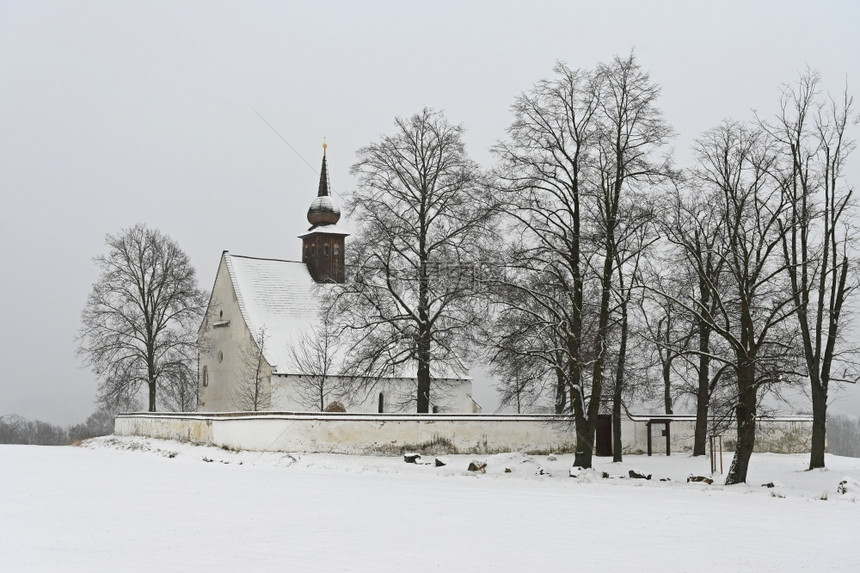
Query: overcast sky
{"x":113,"y":113}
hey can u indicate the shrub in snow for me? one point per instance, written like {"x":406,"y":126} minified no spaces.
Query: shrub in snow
{"x":848,"y":485}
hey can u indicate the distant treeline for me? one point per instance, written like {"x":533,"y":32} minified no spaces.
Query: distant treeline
{"x":843,"y":436}
{"x":17,"y":430}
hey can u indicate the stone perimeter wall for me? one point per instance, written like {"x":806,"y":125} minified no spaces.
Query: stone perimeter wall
{"x":429,"y":433}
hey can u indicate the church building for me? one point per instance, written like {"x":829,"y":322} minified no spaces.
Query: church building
{"x":264,"y":343}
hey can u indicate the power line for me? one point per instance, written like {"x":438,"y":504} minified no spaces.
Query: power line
{"x":287,"y":142}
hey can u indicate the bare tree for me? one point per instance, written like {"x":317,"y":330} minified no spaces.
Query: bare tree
{"x":577,"y":145}
{"x":253,"y":390}
{"x":543,"y":172}
{"x":667,"y":327}
{"x":752,"y":305}
{"x":693,"y":225}
{"x":634,"y":239}
{"x":314,"y":356}
{"x":138,"y":328}
{"x":813,"y":148}
{"x":422,"y":223}
{"x":528,"y":360}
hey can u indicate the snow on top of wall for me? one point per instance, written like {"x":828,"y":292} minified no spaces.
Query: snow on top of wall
{"x":280,"y":297}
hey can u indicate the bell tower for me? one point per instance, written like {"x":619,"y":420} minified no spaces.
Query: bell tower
{"x":322,"y":245}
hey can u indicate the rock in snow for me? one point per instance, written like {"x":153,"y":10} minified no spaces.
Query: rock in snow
{"x":478,"y":466}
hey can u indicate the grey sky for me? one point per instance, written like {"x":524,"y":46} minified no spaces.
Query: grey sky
{"x":113,"y":113}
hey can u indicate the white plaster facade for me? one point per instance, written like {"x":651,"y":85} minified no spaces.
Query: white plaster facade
{"x":280,"y":298}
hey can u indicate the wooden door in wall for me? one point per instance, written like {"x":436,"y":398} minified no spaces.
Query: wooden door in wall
{"x":604,"y":435}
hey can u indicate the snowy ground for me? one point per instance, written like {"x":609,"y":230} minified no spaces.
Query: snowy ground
{"x":132,"y":504}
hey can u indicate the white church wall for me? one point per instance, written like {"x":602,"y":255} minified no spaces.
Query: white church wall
{"x":398,"y":395}
{"x":224,"y":339}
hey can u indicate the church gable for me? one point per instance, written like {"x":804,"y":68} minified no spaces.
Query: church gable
{"x":225,"y":342}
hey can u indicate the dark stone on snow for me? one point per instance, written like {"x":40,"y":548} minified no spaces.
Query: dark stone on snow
{"x":476,"y":466}
{"x":768,"y":484}
{"x":411,"y":458}
{"x":440,"y":463}
{"x":636,"y":475}
{"x":605,"y":475}
{"x":704,"y":479}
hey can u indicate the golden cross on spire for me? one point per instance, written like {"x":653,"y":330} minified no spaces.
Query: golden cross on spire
{"x":325,"y":145}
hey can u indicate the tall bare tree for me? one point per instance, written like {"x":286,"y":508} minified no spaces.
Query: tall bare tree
{"x":693,"y":225}
{"x":635,"y":236}
{"x":422,"y":215}
{"x":253,"y":389}
{"x":315,"y":357}
{"x":543,"y":171}
{"x":138,"y":328}
{"x":752,"y":310}
{"x":631,"y":129}
{"x":577,"y":145}
{"x":813,"y":147}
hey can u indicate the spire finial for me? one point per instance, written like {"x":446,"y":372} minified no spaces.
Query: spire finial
{"x":323,"y":189}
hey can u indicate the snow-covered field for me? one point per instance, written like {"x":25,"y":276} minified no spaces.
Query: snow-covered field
{"x":132,"y":504}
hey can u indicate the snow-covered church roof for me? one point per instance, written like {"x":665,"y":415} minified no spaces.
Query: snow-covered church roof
{"x":280,"y":297}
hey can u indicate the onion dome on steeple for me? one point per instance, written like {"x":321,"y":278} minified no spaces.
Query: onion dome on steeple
{"x":323,"y":209}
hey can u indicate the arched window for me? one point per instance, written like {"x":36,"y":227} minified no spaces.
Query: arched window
{"x":325,"y":250}
{"x":336,"y":249}
{"x":381,"y":403}
{"x":206,"y":376}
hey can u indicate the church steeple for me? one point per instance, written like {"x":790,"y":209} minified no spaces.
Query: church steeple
{"x":323,"y":244}
{"x":323,"y":209}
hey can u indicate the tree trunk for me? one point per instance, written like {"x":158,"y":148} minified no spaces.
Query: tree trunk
{"x":423,"y":387}
{"x":745,"y":412}
{"x":584,"y":442}
{"x":819,"y":426}
{"x":423,"y":375}
{"x":152,"y":381}
{"x":152,"y":395}
{"x":703,"y":394}
{"x":619,"y":384}
{"x":560,"y":393}
{"x":667,"y":386}
{"x":616,"y":425}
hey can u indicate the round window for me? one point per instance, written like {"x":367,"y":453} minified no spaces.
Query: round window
{"x":220,"y":356}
